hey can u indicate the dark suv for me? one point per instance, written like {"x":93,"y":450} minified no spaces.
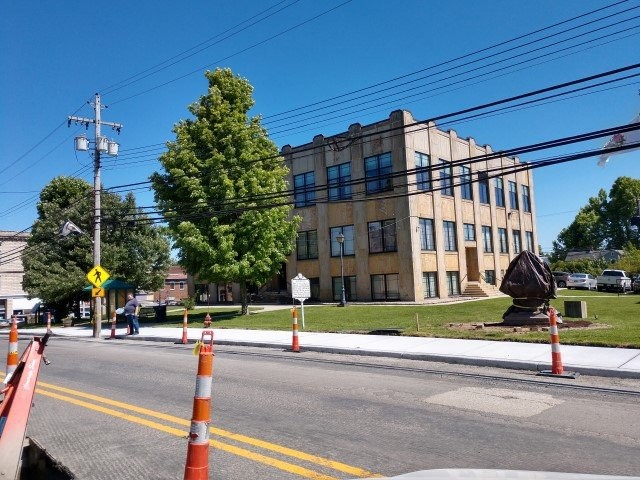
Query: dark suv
{"x":561,"y":278}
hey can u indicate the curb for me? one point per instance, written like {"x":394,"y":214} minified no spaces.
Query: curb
{"x":460,"y":360}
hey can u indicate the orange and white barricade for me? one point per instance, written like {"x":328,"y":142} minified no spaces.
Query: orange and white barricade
{"x":12,"y":355}
{"x":197,"y":465}
{"x":557,"y":370}
{"x":295,"y":342}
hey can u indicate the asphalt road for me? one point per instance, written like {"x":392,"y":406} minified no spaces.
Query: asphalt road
{"x":121,"y":410}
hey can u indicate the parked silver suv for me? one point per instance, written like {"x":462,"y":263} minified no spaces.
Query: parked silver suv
{"x":561,"y":278}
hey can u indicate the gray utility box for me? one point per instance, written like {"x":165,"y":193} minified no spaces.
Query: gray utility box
{"x":575,"y":309}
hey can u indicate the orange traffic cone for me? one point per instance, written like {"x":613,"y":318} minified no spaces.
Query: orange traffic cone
{"x":295,"y":345}
{"x":556,"y":358}
{"x":12,"y":355}
{"x":197,"y":466}
{"x":557,"y":370}
{"x":184,"y":327}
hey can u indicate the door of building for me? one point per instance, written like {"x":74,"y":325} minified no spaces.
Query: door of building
{"x":473,"y":271}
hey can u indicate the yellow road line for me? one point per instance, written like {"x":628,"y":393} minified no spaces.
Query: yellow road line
{"x":256,"y":457}
{"x":338,"y":466}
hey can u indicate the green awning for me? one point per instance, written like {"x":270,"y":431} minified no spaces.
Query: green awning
{"x":111,"y":284}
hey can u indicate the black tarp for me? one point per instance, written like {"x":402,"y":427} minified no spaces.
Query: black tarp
{"x":528,"y":277}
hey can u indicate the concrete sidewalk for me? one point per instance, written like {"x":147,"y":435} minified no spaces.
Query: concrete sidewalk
{"x":612,"y":362}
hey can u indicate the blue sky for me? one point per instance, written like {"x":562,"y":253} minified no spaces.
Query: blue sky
{"x":56,"y":55}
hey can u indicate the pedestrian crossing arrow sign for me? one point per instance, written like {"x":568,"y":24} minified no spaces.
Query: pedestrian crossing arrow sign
{"x":97,"y":276}
{"x":97,"y":292}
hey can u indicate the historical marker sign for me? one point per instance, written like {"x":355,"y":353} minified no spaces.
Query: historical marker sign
{"x":300,"y":288}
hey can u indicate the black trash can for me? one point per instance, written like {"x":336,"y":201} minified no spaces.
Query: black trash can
{"x":161,"y":312}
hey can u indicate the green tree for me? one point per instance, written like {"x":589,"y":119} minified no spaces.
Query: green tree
{"x":586,"y":232}
{"x":222,"y":190}
{"x":55,"y":267}
{"x":622,"y":205}
{"x":605,"y":222}
{"x":630,"y":262}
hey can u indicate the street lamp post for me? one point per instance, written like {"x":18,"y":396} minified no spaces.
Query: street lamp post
{"x":340,"y":238}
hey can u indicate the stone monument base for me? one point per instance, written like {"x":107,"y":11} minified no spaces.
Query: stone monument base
{"x":521,"y":318}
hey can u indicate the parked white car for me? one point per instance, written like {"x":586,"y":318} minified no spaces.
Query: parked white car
{"x":582,"y":280}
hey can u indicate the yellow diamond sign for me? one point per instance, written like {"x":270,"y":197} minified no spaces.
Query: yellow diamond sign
{"x":97,"y":276}
{"x":97,"y":292}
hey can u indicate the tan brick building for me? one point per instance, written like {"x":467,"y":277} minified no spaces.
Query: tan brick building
{"x":424,"y":214}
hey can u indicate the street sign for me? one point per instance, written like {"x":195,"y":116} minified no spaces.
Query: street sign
{"x":97,"y":292}
{"x":300,"y":288}
{"x":97,"y":276}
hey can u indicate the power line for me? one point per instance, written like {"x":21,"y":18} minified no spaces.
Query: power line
{"x":441,"y":64}
{"x":40,"y":142}
{"x":404,"y":173}
{"x":491,"y":173}
{"x":379,"y":101}
{"x":200,"y":47}
{"x":425,"y":123}
{"x":254,"y":45}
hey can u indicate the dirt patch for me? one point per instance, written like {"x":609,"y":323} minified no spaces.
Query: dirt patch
{"x":499,"y":327}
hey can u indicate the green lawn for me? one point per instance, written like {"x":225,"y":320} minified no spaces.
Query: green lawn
{"x":620,"y":315}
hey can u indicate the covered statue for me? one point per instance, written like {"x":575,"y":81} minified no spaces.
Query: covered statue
{"x":529,"y":282}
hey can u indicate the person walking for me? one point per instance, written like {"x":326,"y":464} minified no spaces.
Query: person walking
{"x":131,"y":310}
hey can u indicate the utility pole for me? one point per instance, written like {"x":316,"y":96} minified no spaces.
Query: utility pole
{"x":101,"y":144}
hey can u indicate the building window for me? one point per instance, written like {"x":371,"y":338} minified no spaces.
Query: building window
{"x":427,"y":238}
{"x":304,"y":186}
{"x":529,"y":239}
{"x":513,"y":195}
{"x":450,"y":243}
{"x":517,"y":242}
{"x":453,"y":284}
{"x":172,"y":286}
{"x":385,"y":287}
{"x":469,"y":230}
{"x":446,"y":175}
{"x":378,"y":173}
{"x":499,"y":190}
{"x":466,"y":192}
{"x":526,"y":199}
{"x":314,"y":284}
{"x":483,"y":187}
{"x":430,"y":284}
{"x":423,"y":172}
{"x":382,"y":236}
{"x":339,"y":181}
{"x":181,"y":284}
{"x":490,"y":277}
{"x":502,"y":235}
{"x":347,"y":231}
{"x":349,"y":288}
{"x":487,"y":241}
{"x":307,"y":245}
